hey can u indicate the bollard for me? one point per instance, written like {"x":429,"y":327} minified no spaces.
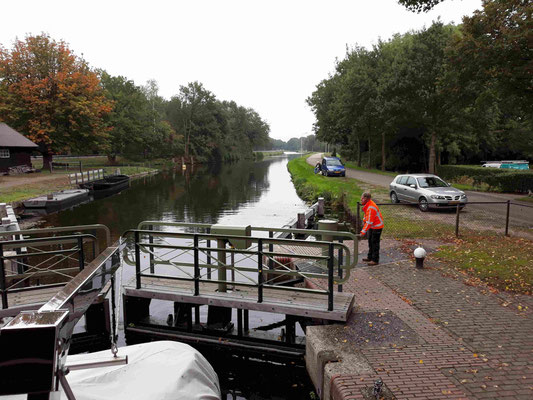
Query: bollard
{"x":420,"y":254}
{"x":320,"y":210}
{"x":300,"y":224}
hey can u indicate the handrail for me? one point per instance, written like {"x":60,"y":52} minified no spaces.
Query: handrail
{"x":196,"y":276}
{"x":351,"y":262}
{"x":78,"y":239}
{"x":96,"y":227}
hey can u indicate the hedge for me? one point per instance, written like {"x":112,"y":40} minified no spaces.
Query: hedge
{"x":506,"y":180}
{"x":519,"y":182}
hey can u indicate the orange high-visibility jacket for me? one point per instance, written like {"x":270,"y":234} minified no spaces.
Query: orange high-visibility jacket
{"x":372,"y":218}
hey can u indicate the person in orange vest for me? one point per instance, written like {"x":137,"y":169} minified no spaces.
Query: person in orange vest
{"x":373,"y":226}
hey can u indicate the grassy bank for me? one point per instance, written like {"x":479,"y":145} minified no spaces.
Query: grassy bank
{"x":501,"y":262}
{"x":310,"y":186}
{"x":58,"y":181}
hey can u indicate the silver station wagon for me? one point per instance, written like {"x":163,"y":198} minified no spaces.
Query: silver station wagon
{"x":427,"y":191}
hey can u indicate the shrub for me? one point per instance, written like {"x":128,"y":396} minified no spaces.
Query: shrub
{"x":519,"y":182}
{"x":506,"y":180}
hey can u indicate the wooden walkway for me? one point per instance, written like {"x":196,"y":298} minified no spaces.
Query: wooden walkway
{"x":305,"y":304}
{"x":27,"y":300}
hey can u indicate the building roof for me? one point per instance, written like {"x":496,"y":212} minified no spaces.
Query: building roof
{"x":11,"y":138}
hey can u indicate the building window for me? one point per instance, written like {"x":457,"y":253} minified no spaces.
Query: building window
{"x":4,"y":153}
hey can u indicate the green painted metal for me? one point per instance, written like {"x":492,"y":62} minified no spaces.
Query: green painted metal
{"x":348,"y":260}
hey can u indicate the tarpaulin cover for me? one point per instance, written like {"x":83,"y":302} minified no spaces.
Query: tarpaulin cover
{"x":157,"y":371}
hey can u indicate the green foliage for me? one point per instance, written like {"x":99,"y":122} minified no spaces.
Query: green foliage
{"x":310,"y":186}
{"x":419,"y":5}
{"x":502,"y":179}
{"x":443,"y":94}
{"x":514,"y":182}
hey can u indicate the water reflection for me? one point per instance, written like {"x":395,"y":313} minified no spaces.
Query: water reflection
{"x":256,"y":193}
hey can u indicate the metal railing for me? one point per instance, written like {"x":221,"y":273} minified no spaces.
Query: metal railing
{"x":259,"y":264}
{"x":347,"y":259}
{"x":49,"y":262}
{"x":405,"y":220}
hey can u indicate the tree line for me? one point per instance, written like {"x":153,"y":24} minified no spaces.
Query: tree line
{"x":442,"y":94}
{"x":54,"y":98}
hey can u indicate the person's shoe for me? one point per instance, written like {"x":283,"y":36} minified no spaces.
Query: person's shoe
{"x":373,"y":263}
{"x":366,"y":259}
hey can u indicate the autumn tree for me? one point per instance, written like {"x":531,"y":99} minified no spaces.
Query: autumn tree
{"x":52,"y":96}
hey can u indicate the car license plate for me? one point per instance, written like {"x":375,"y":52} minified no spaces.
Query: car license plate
{"x":453,"y":202}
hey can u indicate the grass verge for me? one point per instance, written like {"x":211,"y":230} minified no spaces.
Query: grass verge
{"x":29,"y":190}
{"x":310,"y":186}
{"x":501,"y":262}
{"x":526,"y":198}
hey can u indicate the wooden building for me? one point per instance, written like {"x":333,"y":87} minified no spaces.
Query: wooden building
{"x":15,"y":149}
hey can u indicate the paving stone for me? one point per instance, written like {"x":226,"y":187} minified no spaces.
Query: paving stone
{"x":460,"y":342}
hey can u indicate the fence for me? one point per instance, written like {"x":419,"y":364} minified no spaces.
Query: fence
{"x":405,"y":221}
{"x":72,"y":165}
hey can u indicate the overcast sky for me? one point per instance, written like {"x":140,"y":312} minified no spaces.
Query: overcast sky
{"x":267,"y":55}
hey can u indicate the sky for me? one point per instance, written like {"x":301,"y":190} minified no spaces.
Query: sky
{"x":266,"y":55}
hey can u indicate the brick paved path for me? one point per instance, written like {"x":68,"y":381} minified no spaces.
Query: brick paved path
{"x":471,"y":343}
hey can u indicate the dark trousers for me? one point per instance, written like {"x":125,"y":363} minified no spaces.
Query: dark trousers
{"x":374,"y":236}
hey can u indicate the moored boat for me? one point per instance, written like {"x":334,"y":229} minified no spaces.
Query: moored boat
{"x":58,"y":200}
{"x":113,"y":183}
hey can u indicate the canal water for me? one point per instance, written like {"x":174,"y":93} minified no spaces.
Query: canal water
{"x":246,"y":193}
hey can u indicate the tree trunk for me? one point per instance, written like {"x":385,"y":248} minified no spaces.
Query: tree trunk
{"x":47,"y":161}
{"x":431,"y":166}
{"x":383,"y":156}
{"x":439,"y":158}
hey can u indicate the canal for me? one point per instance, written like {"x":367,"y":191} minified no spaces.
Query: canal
{"x":246,"y":193}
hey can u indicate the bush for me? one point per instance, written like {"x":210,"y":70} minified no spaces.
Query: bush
{"x":519,"y":182}
{"x":505,"y":180}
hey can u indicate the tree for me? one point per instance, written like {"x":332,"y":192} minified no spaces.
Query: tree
{"x":419,"y":5}
{"x":490,"y":62}
{"x":52,"y":96}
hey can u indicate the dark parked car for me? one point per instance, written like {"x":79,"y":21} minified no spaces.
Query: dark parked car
{"x":332,"y":166}
{"x":426,"y":190}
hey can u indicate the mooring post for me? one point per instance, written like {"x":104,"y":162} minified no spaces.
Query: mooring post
{"x":222,"y":277}
{"x":300,"y":224}
{"x":3,"y":278}
{"x":260,"y":270}
{"x":507,"y":218}
{"x":320,"y":210}
{"x":137,"y":261}
{"x":330,"y":277}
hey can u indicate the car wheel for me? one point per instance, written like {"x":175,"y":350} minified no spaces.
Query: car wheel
{"x":394,"y":198}
{"x":343,"y":174}
{"x":423,"y":204}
